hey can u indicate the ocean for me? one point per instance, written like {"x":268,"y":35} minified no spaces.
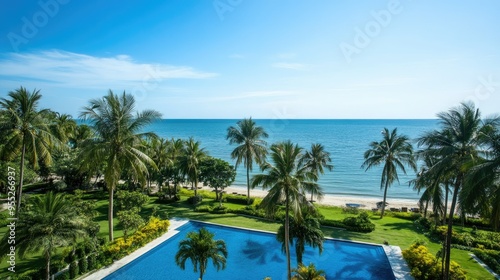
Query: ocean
{"x":346,"y":140}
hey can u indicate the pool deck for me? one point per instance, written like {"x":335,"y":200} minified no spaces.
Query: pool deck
{"x":103,"y":272}
{"x":398,"y":264}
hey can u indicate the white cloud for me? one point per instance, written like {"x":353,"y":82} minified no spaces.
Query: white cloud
{"x":289,"y":66}
{"x":67,"y":69}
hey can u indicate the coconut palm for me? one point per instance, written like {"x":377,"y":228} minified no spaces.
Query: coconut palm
{"x":432,"y":189}
{"x":481,"y":192}
{"x":302,"y":232}
{"x":286,"y":179}
{"x":251,"y":146}
{"x":117,"y":141}
{"x":173,"y":171}
{"x":308,"y":273}
{"x":393,"y":152}
{"x":50,"y":223}
{"x":26,"y":133}
{"x":63,"y":126}
{"x":317,"y":159}
{"x":199,"y":247}
{"x":190,"y":161}
{"x":456,"y":146}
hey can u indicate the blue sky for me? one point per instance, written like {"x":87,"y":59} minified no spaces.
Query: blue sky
{"x":259,"y":58}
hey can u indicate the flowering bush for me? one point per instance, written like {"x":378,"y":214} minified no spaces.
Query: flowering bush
{"x":424,"y":265}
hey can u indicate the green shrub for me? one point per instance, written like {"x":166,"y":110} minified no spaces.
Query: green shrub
{"x":360,"y":223}
{"x":92,"y":260}
{"x":83,"y":265}
{"x":204,"y":208}
{"x":63,"y":275}
{"x":219,"y":210}
{"x":73,"y":270}
{"x":490,"y":258}
{"x":424,"y":265}
{"x":239,"y":199}
{"x":406,"y":215}
{"x":125,"y":200}
{"x":195,"y":199}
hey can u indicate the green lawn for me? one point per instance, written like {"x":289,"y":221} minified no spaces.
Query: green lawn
{"x":393,"y":230}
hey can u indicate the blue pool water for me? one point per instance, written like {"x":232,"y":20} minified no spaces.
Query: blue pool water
{"x":256,"y":255}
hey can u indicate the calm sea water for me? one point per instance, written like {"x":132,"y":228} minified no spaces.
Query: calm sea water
{"x":346,"y":140}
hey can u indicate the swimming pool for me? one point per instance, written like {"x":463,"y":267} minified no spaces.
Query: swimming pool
{"x":256,"y":255}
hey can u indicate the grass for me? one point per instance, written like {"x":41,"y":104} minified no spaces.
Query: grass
{"x":395,"y":231}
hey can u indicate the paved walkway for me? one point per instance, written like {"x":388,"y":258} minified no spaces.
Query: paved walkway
{"x":103,"y":272}
{"x":398,"y":264}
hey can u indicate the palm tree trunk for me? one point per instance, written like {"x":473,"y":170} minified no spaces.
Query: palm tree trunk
{"x":21,"y":177}
{"x":445,"y":204}
{"x":426,"y":207}
{"x":450,"y":228}
{"x":110,"y":213}
{"x":248,"y":184}
{"x":385,"y":198}
{"x":287,"y":235}
{"x":47,"y":269}
{"x":195,"y":187}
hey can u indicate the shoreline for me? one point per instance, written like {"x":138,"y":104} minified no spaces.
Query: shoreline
{"x":367,"y":203}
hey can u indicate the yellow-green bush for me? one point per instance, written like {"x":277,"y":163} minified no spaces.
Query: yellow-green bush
{"x":121,"y":247}
{"x":424,"y":265}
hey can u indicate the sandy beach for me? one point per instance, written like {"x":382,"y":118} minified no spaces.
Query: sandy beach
{"x":336,"y":200}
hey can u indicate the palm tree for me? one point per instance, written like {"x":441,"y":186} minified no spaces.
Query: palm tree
{"x":432,"y":189}
{"x":394,"y":152}
{"x":199,"y":248}
{"x":317,"y":159}
{"x":190,"y":161}
{"x":26,"y":132}
{"x":63,"y":126}
{"x":302,"y":232}
{"x":481,"y":191}
{"x":51,"y":223}
{"x":251,"y":146}
{"x":308,"y":273}
{"x":455,"y":146}
{"x":117,"y":141}
{"x":287,"y":178}
{"x":173,"y":171}
{"x":81,"y":133}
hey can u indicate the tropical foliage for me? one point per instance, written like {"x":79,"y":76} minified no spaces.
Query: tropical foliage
{"x":117,"y":141}
{"x":251,"y":146}
{"x":393,"y":152}
{"x":287,"y":178}
{"x":200,"y":247}
{"x":50,"y":223}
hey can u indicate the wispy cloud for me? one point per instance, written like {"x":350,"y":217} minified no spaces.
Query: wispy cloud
{"x":69,"y":69}
{"x":289,"y":66}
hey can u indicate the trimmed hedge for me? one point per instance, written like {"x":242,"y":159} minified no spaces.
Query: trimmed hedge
{"x":238,"y":199}
{"x":490,"y":258}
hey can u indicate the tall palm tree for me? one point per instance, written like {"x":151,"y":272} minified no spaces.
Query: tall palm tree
{"x":199,"y":247}
{"x":117,"y":141}
{"x":173,"y":170}
{"x":481,"y":191}
{"x":394,"y":152}
{"x":50,"y":223}
{"x":26,"y":133}
{"x":190,"y":161}
{"x":286,"y":179}
{"x":302,"y":232}
{"x":251,"y":146}
{"x":317,"y":159}
{"x":456,"y":146}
